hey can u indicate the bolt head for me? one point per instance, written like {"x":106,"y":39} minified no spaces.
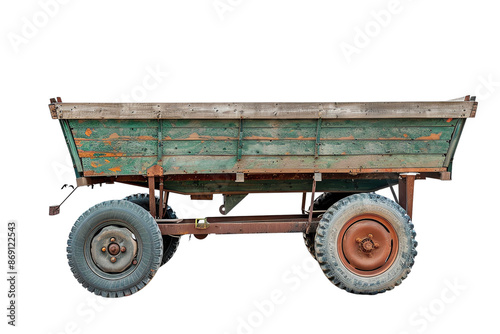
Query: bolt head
{"x":358,"y":240}
{"x":376,"y":245}
{"x":112,"y":239}
{"x":123,"y":249}
{"x":134,"y":262}
{"x":114,"y":249}
{"x":113,"y":259}
{"x":370,"y":235}
{"x":103,"y":249}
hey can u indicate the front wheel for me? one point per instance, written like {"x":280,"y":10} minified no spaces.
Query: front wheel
{"x":115,"y":248}
{"x":365,"y":244}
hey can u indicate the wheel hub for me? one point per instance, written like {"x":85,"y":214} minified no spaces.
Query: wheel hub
{"x":114,"y":249}
{"x":367,"y":245}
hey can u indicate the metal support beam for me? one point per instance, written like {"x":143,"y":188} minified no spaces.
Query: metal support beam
{"x":311,"y":207}
{"x":406,"y":190}
{"x":238,"y":225}
{"x":152,"y":199}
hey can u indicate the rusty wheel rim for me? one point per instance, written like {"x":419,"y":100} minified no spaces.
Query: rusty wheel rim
{"x":367,"y":245}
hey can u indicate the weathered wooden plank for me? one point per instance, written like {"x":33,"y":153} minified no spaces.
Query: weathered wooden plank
{"x":264,"y":164}
{"x":202,"y":133}
{"x":278,"y":147}
{"x":205,"y":147}
{"x":368,"y":147}
{"x":116,"y":148}
{"x":200,"y":123}
{"x":132,"y":148}
{"x":258,"y":123}
{"x":349,"y":123}
{"x":389,"y":123}
{"x":113,"y":123}
{"x":326,"y":110}
{"x":205,"y":133}
{"x":109,"y":134}
{"x":369,"y":133}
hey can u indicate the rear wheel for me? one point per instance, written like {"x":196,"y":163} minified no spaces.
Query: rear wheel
{"x":115,"y":248}
{"x":365,"y":244}
{"x":170,"y":243}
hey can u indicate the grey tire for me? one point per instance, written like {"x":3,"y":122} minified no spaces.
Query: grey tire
{"x":346,"y":238}
{"x":139,"y":268}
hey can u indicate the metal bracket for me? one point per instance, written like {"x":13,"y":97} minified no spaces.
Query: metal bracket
{"x":240,"y":177}
{"x":56,"y":209}
{"x":201,"y":226}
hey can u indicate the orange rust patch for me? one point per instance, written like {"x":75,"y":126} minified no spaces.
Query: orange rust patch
{"x":351,"y":137}
{"x":116,"y":169}
{"x":432,"y":136}
{"x":176,"y":168}
{"x":88,"y":132}
{"x":95,"y":164}
{"x":146,"y":138}
{"x":113,"y":136}
{"x":85,"y":154}
{"x":78,"y":143}
{"x":106,"y":160}
{"x":92,"y":173}
{"x":405,"y":135}
{"x":449,"y":120}
{"x":91,"y":154}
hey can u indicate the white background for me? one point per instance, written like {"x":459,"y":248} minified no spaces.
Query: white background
{"x":243,"y":51}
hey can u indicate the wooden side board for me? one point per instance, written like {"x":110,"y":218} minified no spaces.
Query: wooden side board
{"x":266,"y":110}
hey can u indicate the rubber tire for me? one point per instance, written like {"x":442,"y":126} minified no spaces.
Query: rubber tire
{"x":148,"y":235}
{"x":322,"y":202}
{"x":327,"y":235}
{"x":170,"y":243}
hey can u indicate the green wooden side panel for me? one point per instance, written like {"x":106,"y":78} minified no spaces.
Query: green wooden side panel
{"x":195,"y":147}
{"x":130,"y":147}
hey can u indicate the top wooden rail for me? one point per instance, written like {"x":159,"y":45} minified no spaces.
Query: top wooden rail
{"x":265,"y":110}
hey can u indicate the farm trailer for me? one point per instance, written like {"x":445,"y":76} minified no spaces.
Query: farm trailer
{"x":364,"y":242}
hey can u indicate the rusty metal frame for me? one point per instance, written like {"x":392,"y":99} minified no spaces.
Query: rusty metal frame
{"x":406,"y":191}
{"x":142,"y":180}
{"x":238,"y":225}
